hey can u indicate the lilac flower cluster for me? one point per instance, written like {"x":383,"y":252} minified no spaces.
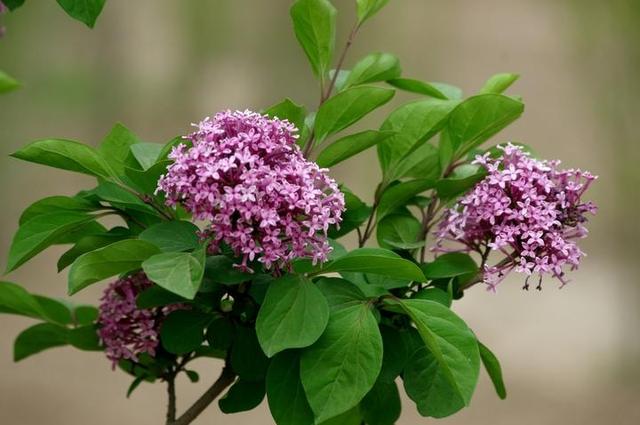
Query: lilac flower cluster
{"x":248,"y":179}
{"x":527,"y":209}
{"x":125,"y":330}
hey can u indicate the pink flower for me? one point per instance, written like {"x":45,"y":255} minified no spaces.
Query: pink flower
{"x":528,"y":209}
{"x":125,"y":330}
{"x":247,"y":178}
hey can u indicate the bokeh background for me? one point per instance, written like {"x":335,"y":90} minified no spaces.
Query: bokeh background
{"x":570,"y":356}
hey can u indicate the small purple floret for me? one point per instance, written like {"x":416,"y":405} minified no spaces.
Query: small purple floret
{"x":245,"y":176}
{"x":527,"y":209}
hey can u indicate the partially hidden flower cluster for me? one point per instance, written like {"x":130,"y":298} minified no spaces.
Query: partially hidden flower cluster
{"x":527,"y":209}
{"x":125,"y":330}
{"x":246,"y":177}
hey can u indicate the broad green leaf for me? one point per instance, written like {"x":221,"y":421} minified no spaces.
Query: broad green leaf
{"x":417,"y":86}
{"x":84,"y":338}
{"x":373,"y":68}
{"x":219,"y":268}
{"x":314,"y":23}
{"x":220,"y":333}
{"x":91,"y":243}
{"x":172,"y":236}
{"x":115,"y":147}
{"x":13,"y":4}
{"x":147,"y":180}
{"x":434,"y":294}
{"x":119,"y":257}
{"x":356,"y":214}
{"x":65,"y":154}
{"x":342,"y":366}
{"x":499,"y":83}
{"x":493,"y":368}
{"x":450,"y":265}
{"x":349,"y":146}
{"x":14,"y":299}
{"x":85,"y":315}
{"x":350,"y":417}
{"x":442,"y":376}
{"x":85,"y":11}
{"x":121,"y":198}
{"x":38,"y":338}
{"x":155,"y":296}
{"x":398,"y":195}
{"x":183,"y":330}
{"x":381,"y":405}
{"x":290,"y":111}
{"x":39,"y":233}
{"x":340,"y":293}
{"x":247,"y":358}
{"x":53,"y":204}
{"x":341,"y":79}
{"x":242,"y":396}
{"x":396,"y":352}
{"x":414,"y":123}
{"x":287,"y":400}
{"x":368,"y":8}
{"x":375,"y":261}
{"x":421,"y":163}
{"x":293,"y":315}
{"x":347,"y":107}
{"x":146,"y":153}
{"x":178,"y":272}
{"x":399,"y":231}
{"x":374,"y":285}
{"x":464,"y":178}
{"x":7,"y":83}
{"x":54,"y":310}
{"x":478,"y":118}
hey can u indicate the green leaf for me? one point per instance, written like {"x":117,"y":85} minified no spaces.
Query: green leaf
{"x":121,"y":198}
{"x":381,"y":405}
{"x":115,"y":147}
{"x":464,"y":178}
{"x":220,"y":334}
{"x":54,"y":311}
{"x":350,"y":417}
{"x":84,"y":338}
{"x":451,"y":264}
{"x":56,"y":204}
{"x":357,"y":212}
{"x":396,"y":352}
{"x":156,"y":296}
{"x":314,"y":23}
{"x":434,"y":294}
{"x":39,"y":233}
{"x":219,"y":268}
{"x":342,"y":366}
{"x":38,"y":338}
{"x":499,"y":83}
{"x":7,"y":83}
{"x":349,"y":146}
{"x":478,"y":118}
{"x":242,"y":396}
{"x":398,"y":195}
{"x":373,"y":68}
{"x":178,"y":272}
{"x":14,"y":299}
{"x":340,"y":293}
{"x":146,"y":153}
{"x":13,"y":4}
{"x":119,"y":257}
{"x":287,"y":400}
{"x":288,"y":110}
{"x":85,"y":11}
{"x":147,"y":180}
{"x":66,"y":155}
{"x":493,"y":368}
{"x":375,"y":261}
{"x":247,"y":358}
{"x":293,"y":315}
{"x":85,"y":314}
{"x":414,"y":123}
{"x":399,"y":231}
{"x":442,"y":376}
{"x":417,"y":86}
{"x":183,"y":330}
{"x":348,"y":107}
{"x":172,"y":236}
{"x":91,"y":243}
{"x":368,"y":8}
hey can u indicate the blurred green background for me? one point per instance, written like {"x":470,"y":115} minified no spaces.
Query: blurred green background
{"x":570,"y":356}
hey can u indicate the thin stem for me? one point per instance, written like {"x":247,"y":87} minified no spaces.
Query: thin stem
{"x":427,"y":223}
{"x":227,"y":377}
{"x":171,"y":392}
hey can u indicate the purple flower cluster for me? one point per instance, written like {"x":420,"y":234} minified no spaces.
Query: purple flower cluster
{"x":247,"y":178}
{"x":125,"y":330}
{"x":527,"y":209}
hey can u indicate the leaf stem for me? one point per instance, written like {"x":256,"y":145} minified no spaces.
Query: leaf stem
{"x":171,"y":392}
